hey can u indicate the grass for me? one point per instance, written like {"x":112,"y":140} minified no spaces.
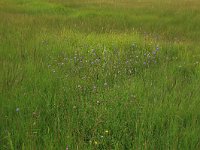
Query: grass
{"x":99,"y":74}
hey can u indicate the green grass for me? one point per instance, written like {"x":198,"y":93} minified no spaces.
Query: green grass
{"x":99,"y":74}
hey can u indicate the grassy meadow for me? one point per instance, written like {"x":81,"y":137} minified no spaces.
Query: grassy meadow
{"x":99,"y":74}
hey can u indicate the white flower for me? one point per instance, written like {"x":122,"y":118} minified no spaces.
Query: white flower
{"x":17,"y":109}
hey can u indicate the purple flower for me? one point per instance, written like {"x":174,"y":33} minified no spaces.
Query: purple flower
{"x":154,"y":52}
{"x":157,"y":48}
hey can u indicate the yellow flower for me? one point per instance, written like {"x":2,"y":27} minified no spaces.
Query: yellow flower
{"x":106,"y":131}
{"x":95,"y":142}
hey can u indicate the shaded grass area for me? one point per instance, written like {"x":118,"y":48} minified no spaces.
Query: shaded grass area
{"x":78,"y":75}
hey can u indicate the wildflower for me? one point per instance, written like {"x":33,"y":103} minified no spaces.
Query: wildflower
{"x":45,"y":42}
{"x":92,"y":50}
{"x":67,"y":148}
{"x":97,"y":60}
{"x":95,"y":142}
{"x":133,"y":45}
{"x":157,"y":48}
{"x":35,"y":115}
{"x":17,"y":109}
{"x":106,"y":131}
{"x":144,"y":63}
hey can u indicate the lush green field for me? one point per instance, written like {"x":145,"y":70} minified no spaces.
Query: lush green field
{"x":97,"y":74}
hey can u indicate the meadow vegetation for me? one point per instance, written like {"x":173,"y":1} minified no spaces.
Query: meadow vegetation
{"x":99,"y":74}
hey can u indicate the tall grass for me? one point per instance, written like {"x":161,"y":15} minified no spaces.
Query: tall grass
{"x":99,"y":74}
